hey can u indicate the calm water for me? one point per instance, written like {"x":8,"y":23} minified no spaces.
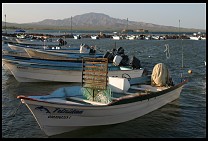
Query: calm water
{"x":184,"y":117}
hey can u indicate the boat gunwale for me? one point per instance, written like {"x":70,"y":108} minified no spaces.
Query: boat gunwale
{"x":127,"y":99}
{"x":138,"y":97}
{"x":62,"y":67}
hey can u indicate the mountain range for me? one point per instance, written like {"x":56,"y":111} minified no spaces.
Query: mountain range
{"x":97,"y":21}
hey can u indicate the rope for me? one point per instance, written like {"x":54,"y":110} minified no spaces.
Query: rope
{"x":167,"y":51}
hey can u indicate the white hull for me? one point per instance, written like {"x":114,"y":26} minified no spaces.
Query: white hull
{"x":37,"y":42}
{"x":7,"y":39}
{"x":29,"y":74}
{"x":77,"y":37}
{"x":67,"y":55}
{"x":203,"y":38}
{"x":55,"y":49}
{"x":94,"y":37}
{"x":14,"y":53}
{"x":59,"y":119}
{"x":131,"y":37}
{"x":16,"y":48}
{"x":33,"y":53}
{"x":7,"y":70}
{"x":116,"y":37}
{"x":194,"y":38}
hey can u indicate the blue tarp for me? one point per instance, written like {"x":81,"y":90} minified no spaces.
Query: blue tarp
{"x":20,"y":30}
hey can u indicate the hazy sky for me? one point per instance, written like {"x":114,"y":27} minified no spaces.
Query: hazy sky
{"x":191,"y":15}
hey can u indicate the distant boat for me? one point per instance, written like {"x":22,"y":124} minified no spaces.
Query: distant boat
{"x":71,"y":55}
{"x":77,"y":37}
{"x":198,"y":36}
{"x":95,"y":37}
{"x":130,"y":37}
{"x":203,"y":38}
{"x":116,"y":37}
{"x":195,"y":38}
{"x":155,"y":37}
{"x":47,"y":52}
{"x":21,"y":47}
{"x":48,"y":41}
{"x":20,"y":30}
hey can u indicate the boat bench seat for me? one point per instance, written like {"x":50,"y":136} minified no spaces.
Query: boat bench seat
{"x":85,"y":101}
{"x":58,"y":100}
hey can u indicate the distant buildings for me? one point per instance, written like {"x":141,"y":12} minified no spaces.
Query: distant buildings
{"x":137,"y":30}
{"x":127,"y":30}
{"x":141,"y":30}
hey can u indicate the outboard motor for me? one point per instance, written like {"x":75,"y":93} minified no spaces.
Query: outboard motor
{"x":65,"y":42}
{"x":135,"y":63}
{"x":106,"y":54}
{"x":114,"y":52}
{"x":110,"y":55}
{"x":120,"y":51}
{"x":116,"y":60}
{"x":92,"y":50}
{"x":125,"y":60}
{"x":61,"y":41}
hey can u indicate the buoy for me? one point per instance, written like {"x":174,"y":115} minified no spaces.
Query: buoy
{"x":189,"y":71}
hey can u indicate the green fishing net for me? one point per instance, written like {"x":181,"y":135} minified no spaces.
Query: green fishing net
{"x":102,"y":96}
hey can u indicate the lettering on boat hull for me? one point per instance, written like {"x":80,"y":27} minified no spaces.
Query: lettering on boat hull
{"x":59,"y":110}
{"x":59,"y":117}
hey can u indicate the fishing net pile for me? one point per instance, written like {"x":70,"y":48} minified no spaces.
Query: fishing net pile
{"x":102,"y":96}
{"x":160,"y":76}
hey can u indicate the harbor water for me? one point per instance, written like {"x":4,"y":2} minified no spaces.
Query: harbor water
{"x":182,"y":118}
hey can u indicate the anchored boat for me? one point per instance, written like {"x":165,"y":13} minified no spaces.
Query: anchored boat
{"x":101,"y":100}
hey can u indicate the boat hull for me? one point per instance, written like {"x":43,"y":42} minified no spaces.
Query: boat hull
{"x":30,"y":73}
{"x":194,"y":38}
{"x":60,"y":118}
{"x":73,"y":55}
{"x":15,"y":47}
{"x":36,"y":42}
{"x":7,"y":70}
{"x":116,"y":37}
